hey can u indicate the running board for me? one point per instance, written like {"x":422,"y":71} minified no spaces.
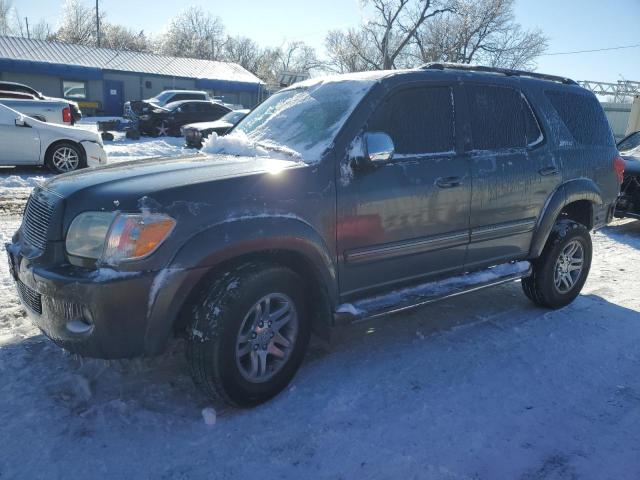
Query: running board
{"x":426,"y":293}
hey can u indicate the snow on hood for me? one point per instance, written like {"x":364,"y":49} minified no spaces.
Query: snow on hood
{"x":237,"y":143}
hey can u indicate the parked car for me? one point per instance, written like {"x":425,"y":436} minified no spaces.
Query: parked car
{"x":27,"y":141}
{"x":167,"y":120}
{"x":136,"y":108}
{"x":332,"y":201}
{"x":16,"y":95}
{"x":629,"y":202}
{"x":195,"y":133}
{"x":49,"y":111}
{"x":76,"y":113}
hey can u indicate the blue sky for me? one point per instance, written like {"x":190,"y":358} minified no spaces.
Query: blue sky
{"x":571,"y":25}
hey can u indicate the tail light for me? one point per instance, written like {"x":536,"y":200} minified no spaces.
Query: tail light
{"x":618,"y":166}
{"x":66,"y":115}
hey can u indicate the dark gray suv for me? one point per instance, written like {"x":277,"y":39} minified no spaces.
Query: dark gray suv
{"x":336,"y":199}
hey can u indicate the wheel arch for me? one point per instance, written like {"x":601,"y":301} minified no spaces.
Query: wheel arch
{"x":575,"y":200}
{"x":49,"y":149}
{"x":218,"y":250}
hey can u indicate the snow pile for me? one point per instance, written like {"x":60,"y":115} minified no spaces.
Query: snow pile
{"x":24,"y":180}
{"x":239,"y":144}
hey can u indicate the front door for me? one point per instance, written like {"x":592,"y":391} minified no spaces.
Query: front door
{"x":408,"y":219}
{"x":512,"y":170}
{"x":113,"y":97}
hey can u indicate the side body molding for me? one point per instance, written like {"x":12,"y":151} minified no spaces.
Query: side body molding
{"x":225,"y":241}
{"x":566,"y":193}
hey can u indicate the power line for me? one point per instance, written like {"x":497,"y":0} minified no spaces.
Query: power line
{"x":590,"y":51}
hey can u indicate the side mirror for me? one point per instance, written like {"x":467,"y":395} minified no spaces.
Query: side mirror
{"x":378,"y":147}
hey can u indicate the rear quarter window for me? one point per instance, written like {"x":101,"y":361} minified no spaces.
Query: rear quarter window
{"x":583,"y":116}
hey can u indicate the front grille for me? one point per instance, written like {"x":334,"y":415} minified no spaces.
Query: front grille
{"x":31,"y":299}
{"x":37,"y":215}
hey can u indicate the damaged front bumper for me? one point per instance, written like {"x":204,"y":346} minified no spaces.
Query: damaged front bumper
{"x":101,"y":313}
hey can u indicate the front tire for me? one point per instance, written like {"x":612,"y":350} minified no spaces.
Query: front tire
{"x":249,"y":334}
{"x":562,"y":269}
{"x":65,"y":157}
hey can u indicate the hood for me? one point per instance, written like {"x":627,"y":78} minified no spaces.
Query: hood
{"x":72,"y":133}
{"x":209,"y":125}
{"x":135,"y":179}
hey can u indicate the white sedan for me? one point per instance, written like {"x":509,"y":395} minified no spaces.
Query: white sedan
{"x":27,"y":141}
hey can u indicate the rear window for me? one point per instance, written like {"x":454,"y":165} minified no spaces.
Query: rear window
{"x":583,"y":117}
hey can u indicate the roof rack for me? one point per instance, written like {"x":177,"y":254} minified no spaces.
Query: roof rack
{"x":504,"y":71}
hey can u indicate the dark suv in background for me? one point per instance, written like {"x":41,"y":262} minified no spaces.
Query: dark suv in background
{"x":336,"y":199}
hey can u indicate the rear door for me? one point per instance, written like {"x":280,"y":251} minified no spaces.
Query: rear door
{"x":408,"y":219}
{"x":513,"y":173}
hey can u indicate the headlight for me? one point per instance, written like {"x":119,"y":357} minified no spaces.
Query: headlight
{"x":87,"y":234}
{"x":115,"y":237}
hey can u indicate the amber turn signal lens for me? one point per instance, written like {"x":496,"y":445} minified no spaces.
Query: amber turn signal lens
{"x":151,"y":235}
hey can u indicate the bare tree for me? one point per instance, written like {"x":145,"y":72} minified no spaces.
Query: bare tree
{"x":349,"y":51}
{"x":42,"y":31}
{"x":383,"y":41}
{"x":479,"y":31}
{"x":118,"y":37}
{"x":244,"y":52}
{"x":195,"y":33}
{"x":77,"y":24}
{"x":5,"y":17}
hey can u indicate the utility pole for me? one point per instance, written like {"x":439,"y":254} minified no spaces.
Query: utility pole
{"x":98,"y":23}
{"x":26,"y":21}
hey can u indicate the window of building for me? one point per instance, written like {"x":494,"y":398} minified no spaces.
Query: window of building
{"x":419,"y":120}
{"x":74,"y":90}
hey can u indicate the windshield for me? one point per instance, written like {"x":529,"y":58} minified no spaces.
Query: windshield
{"x":233,"y":117}
{"x":304,"y":120}
{"x":632,"y":142}
{"x":160,"y":98}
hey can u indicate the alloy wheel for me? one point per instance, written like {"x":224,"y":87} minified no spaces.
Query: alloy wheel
{"x":569,"y":266}
{"x":66,"y":159}
{"x":267,"y":337}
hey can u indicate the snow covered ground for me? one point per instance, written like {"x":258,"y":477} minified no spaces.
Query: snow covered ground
{"x":484,"y":386}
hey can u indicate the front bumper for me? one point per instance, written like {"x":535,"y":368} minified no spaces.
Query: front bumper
{"x":100,"y":313}
{"x":96,"y":155}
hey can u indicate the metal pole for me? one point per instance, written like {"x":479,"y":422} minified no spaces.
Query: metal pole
{"x":98,"y":22}
{"x":26,"y":20}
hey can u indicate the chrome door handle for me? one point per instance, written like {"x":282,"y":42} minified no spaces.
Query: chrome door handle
{"x":448,"y":182}
{"x":546,"y":171}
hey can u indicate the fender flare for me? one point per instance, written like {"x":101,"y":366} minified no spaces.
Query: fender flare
{"x":223,"y":242}
{"x":565,"y":193}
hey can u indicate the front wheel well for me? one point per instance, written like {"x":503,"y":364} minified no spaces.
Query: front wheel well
{"x":580,"y":211}
{"x":321,"y":312}
{"x":55,"y":144}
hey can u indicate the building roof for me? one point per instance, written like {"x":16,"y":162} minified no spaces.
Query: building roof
{"x":16,"y":49}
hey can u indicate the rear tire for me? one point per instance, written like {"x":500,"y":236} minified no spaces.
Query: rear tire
{"x":65,"y":157}
{"x":237,"y":351}
{"x":562,"y":270}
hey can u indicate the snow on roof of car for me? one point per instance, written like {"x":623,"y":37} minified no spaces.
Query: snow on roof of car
{"x":59,"y":53}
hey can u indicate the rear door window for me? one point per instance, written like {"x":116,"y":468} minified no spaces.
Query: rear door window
{"x":497,"y":120}
{"x":583,"y":117}
{"x":418,"y":120}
